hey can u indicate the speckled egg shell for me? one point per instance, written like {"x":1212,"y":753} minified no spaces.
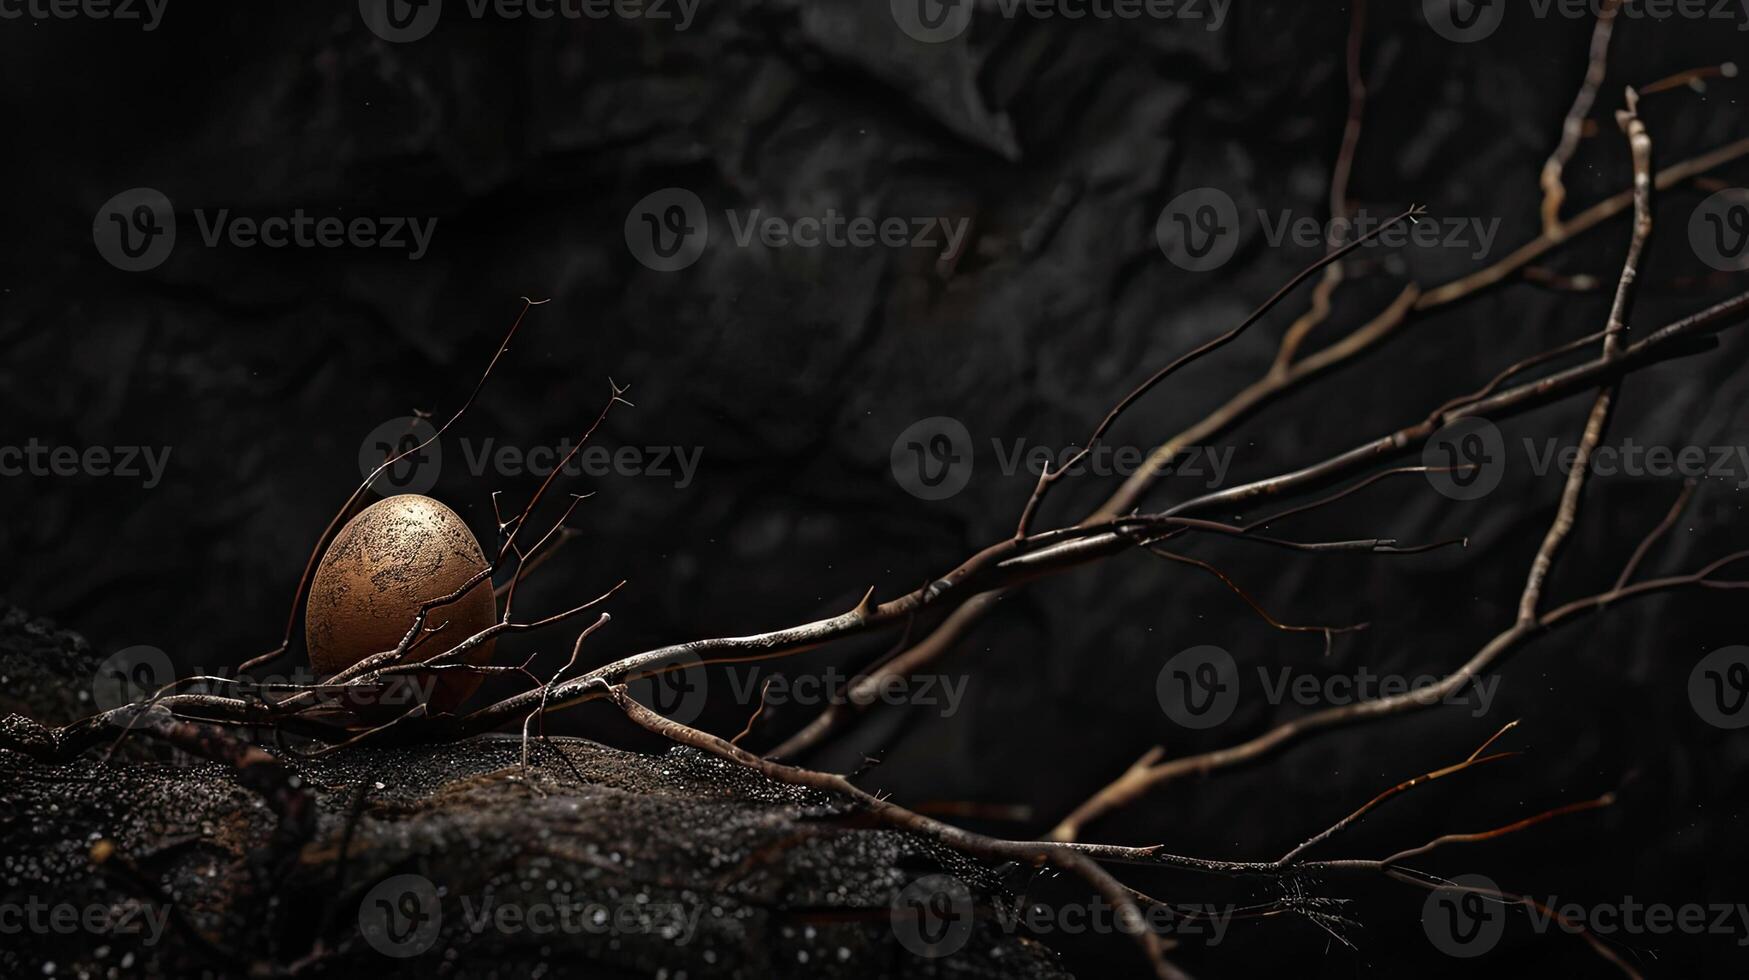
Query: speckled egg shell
{"x":397,"y":554}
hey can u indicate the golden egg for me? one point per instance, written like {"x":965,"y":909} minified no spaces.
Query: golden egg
{"x":396,"y":555}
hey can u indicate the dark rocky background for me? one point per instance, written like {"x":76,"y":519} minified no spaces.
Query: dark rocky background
{"x":793,"y":371}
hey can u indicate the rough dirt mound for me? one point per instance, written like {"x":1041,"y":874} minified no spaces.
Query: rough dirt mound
{"x":457,"y":861}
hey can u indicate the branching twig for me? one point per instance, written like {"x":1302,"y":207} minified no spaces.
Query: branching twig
{"x":1075,"y":858}
{"x":1284,"y":375}
{"x":1664,"y":526}
{"x":1328,"y":632}
{"x":1136,"y":780}
{"x":1475,"y":758}
{"x":352,"y":501}
{"x":1048,"y":476}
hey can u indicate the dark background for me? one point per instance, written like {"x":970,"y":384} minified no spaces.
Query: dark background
{"x":795,"y":369}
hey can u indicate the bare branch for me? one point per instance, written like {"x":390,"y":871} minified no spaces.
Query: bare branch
{"x":1048,"y":476}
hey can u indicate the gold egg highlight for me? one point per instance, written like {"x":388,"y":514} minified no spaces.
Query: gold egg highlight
{"x":393,"y":557}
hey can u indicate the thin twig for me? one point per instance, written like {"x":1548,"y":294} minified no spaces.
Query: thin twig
{"x":1554,"y":191}
{"x":1327,"y":631}
{"x":1651,"y":538}
{"x":351,"y":501}
{"x":1049,"y":476}
{"x":1475,"y":758}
